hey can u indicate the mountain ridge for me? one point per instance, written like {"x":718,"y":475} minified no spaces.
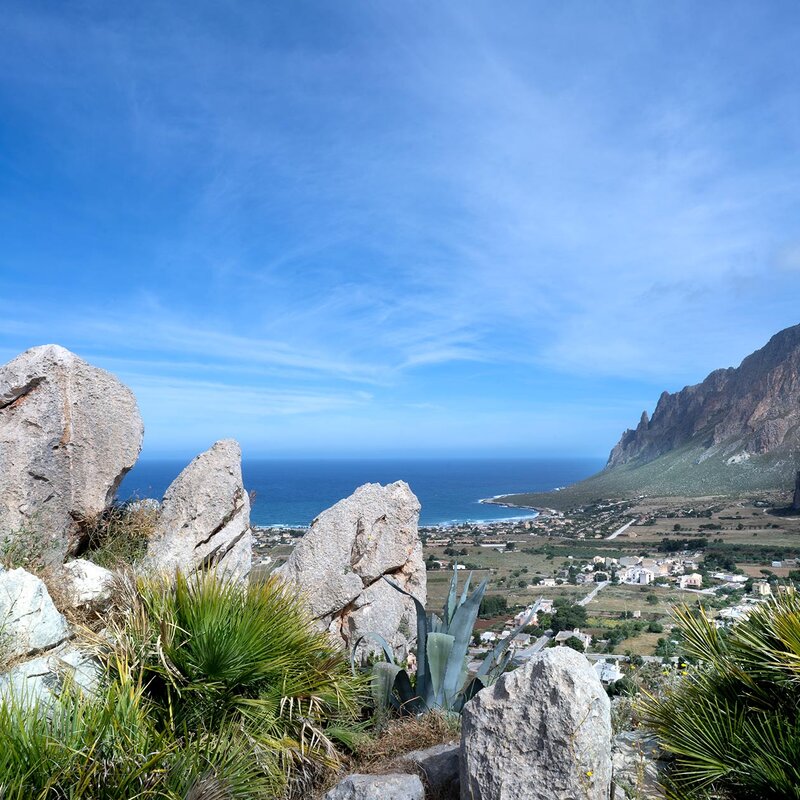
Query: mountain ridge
{"x":737,"y":431}
{"x":752,"y":409}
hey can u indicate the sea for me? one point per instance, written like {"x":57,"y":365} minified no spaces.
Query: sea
{"x":291,"y":492}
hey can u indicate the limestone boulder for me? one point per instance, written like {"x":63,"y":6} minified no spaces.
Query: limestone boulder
{"x":340,"y":563}
{"x":542,"y":731}
{"x":29,"y":621}
{"x":69,"y":432}
{"x":86,"y":584}
{"x":393,"y":786}
{"x":205,"y":517}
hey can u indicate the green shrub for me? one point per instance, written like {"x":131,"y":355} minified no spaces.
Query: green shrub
{"x":732,"y":724}
{"x":108,"y":747}
{"x":215,"y":654}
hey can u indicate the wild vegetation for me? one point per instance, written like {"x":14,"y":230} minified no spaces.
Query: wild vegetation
{"x":441,"y":681}
{"x":209,"y":689}
{"x":732,"y":724}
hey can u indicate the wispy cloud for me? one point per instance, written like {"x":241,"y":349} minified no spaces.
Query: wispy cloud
{"x":408,"y":202}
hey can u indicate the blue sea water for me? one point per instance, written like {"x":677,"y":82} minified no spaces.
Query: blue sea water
{"x":293,"y":492}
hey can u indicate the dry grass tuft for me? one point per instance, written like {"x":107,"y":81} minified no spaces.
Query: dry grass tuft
{"x":118,"y":537}
{"x":401,"y":736}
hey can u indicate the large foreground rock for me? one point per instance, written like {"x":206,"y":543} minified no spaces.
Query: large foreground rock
{"x":394,"y":786}
{"x":205,"y":517}
{"x":339,"y":564}
{"x":68,"y":434}
{"x":541,"y":732}
{"x":29,"y":622}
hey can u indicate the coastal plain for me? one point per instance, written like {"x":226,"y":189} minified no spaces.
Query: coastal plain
{"x":525,"y":560}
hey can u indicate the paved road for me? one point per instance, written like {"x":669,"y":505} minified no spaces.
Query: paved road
{"x":621,"y":530}
{"x":591,"y":596}
{"x":528,"y":652}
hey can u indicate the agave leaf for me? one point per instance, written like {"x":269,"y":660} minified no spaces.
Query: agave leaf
{"x":470,"y":690}
{"x":450,"y":603}
{"x":461,"y":628}
{"x":409,"y":698}
{"x":440,"y":646}
{"x":383,"y":678}
{"x":465,"y":592}
{"x":493,"y":658}
{"x":435,"y":624}
{"x":423,"y":679}
{"x":387,"y":650}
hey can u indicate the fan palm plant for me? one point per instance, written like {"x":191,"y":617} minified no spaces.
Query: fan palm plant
{"x":732,"y":725}
{"x":215,"y":655}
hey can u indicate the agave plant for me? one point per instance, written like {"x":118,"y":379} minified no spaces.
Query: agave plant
{"x":442,"y":677}
{"x":732,"y":724}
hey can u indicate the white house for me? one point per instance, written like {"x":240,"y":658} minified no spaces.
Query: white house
{"x":692,"y":581}
{"x":584,"y":638}
{"x":607,"y":671}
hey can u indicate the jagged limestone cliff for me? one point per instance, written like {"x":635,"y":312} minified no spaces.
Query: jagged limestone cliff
{"x":736,"y":431}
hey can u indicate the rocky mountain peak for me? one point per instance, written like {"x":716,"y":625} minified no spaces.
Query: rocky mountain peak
{"x":752,"y":409}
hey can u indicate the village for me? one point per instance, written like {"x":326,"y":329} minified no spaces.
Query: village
{"x":627,"y":564}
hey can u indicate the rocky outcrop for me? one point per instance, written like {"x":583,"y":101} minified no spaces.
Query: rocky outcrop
{"x":205,"y":517}
{"x":542,"y":731}
{"x":29,"y":621}
{"x":394,"y":786}
{"x":637,"y":765}
{"x":69,"y":432}
{"x":752,"y":409}
{"x":339,"y":565}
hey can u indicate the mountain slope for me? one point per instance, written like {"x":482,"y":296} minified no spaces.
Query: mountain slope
{"x":753,"y":409}
{"x":737,"y":431}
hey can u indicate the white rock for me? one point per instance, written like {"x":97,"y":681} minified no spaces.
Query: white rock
{"x":29,"y":622}
{"x":542,"y":731}
{"x":205,"y":517}
{"x":340,"y":562}
{"x":86,"y":584}
{"x":40,"y":679}
{"x":393,"y":786}
{"x":69,"y":432}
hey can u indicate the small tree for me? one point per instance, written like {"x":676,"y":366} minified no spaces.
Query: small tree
{"x":575,"y":643}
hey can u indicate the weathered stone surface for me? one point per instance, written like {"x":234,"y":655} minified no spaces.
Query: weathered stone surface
{"x":395,"y":786}
{"x":29,"y":622}
{"x":38,"y":680}
{"x":636,"y":764}
{"x":339,"y":564}
{"x":86,"y":584}
{"x":439,"y":767}
{"x":205,"y":517}
{"x":542,"y":731}
{"x":68,"y":434}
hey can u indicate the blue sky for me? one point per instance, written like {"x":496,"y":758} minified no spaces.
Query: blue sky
{"x":383,"y":228}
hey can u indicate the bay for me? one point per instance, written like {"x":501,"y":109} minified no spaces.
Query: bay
{"x":292,"y":492}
